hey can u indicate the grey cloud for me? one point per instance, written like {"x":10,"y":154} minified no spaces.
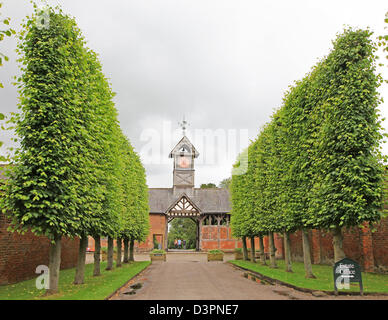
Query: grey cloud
{"x":222,"y":63}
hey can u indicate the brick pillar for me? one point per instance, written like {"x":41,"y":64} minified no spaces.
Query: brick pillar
{"x":279,"y":244}
{"x":366,"y":240}
{"x":316,"y":246}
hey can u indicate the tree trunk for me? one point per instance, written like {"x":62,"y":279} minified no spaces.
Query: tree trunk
{"x":97,"y":256}
{"x":262,"y":253}
{"x":109,"y":265}
{"x":131,"y":250}
{"x":338,"y":238}
{"x":272,"y":250}
{"x":54,"y":265}
{"x":80,"y":270}
{"x":253,"y":258}
{"x":287,"y":252}
{"x":119,"y":256}
{"x":245,"y":249}
{"x":126,"y":248}
{"x":306,"y":255}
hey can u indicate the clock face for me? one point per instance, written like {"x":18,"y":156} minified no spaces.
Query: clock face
{"x":183,"y":162}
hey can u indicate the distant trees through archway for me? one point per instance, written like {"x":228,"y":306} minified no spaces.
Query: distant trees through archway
{"x":184,"y":229}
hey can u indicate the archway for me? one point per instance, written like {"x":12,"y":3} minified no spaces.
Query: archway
{"x":188,"y":215}
{"x":183,"y":234}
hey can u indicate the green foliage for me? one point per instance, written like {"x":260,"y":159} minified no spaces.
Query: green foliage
{"x":347,"y":171}
{"x":184,"y":229}
{"x":318,"y":162}
{"x":75,"y":173}
{"x":43,"y":190}
{"x":215,"y":251}
{"x":135,"y":214}
{"x":264,"y":160}
{"x":242,"y":218}
{"x":94,"y":288}
{"x":225,"y":183}
{"x":158,"y":251}
{"x":324,"y":282}
{"x":208,"y":185}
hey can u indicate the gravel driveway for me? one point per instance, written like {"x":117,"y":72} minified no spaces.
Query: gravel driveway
{"x":189,"y":276}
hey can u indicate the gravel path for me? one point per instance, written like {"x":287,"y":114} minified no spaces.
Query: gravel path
{"x":190,"y":276}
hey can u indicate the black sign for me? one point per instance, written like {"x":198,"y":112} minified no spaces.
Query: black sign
{"x":346,"y":271}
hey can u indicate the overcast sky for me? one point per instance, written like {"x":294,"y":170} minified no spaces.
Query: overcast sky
{"x":223,"y":64}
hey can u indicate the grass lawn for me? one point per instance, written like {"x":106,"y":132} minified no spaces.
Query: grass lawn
{"x":94,"y":288}
{"x":372,"y":282}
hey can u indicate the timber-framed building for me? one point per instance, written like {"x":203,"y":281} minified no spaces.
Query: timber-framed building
{"x":208,"y":208}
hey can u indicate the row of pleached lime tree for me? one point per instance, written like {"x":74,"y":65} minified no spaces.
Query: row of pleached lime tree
{"x":75,"y":174}
{"x":317,"y":163}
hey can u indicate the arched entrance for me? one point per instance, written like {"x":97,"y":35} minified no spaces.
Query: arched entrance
{"x":182,"y":234}
{"x":184,"y":208}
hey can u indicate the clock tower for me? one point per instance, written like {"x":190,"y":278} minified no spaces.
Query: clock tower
{"x":183,"y":154}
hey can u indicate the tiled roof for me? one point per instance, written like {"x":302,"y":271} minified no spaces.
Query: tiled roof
{"x":212,"y":200}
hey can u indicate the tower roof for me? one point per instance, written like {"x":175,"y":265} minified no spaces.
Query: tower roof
{"x":184,"y":143}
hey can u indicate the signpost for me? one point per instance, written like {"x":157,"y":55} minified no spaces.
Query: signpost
{"x":345,"y":272}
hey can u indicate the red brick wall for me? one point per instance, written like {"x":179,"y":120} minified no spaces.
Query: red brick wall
{"x":158,"y":228}
{"x":103,"y":242}
{"x":21,"y":254}
{"x":217,"y":237}
{"x":369,"y":249}
{"x":380,"y":246}
{"x":220,"y":237}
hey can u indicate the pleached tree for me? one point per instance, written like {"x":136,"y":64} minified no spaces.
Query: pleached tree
{"x":348,"y":165}
{"x":135,"y":221}
{"x":100,"y":118}
{"x":73,"y":175}
{"x":42,"y":192}
{"x":318,"y":163}
{"x":241,"y":214}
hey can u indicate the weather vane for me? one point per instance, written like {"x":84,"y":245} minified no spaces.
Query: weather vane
{"x":183,"y":125}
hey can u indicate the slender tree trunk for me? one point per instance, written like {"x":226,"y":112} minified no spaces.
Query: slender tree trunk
{"x":338,"y":238}
{"x":287,"y":252}
{"x":131,"y":250}
{"x":126,"y":248}
{"x":97,"y":256}
{"x":119,"y":256}
{"x":272,"y":250}
{"x":54,"y":265}
{"x":307,"y":255}
{"x":80,"y":270}
{"x":245,"y":249}
{"x":262,"y":253}
{"x":253,"y":258}
{"x":109,"y":265}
